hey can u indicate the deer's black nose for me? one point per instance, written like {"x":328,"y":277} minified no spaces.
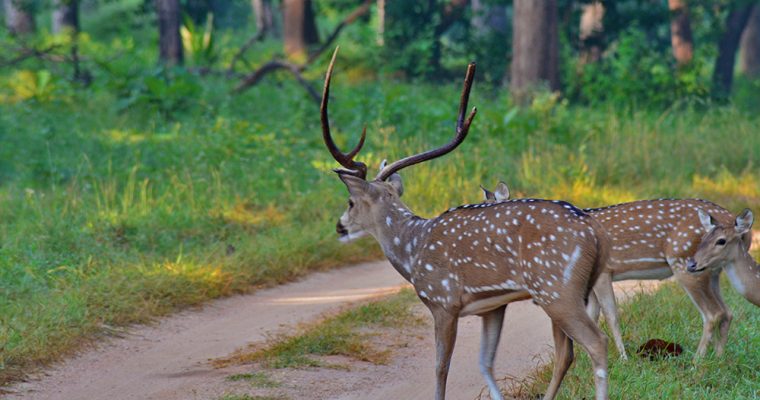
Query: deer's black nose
{"x":691,"y":265}
{"x":342,"y":231}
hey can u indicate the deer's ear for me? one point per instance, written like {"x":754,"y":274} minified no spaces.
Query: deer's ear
{"x":708,"y":222}
{"x":487,"y":194}
{"x":355,"y":185}
{"x":502,"y":191}
{"x":397,"y":184}
{"x":744,"y":221}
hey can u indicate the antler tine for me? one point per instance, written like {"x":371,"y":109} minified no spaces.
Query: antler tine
{"x":463,"y":127}
{"x":356,"y":168}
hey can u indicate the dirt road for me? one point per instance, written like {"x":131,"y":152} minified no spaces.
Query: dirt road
{"x":169,"y":360}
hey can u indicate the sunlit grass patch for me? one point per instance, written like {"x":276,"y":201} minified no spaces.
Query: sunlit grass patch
{"x":733,"y":190}
{"x":343,"y":334}
{"x":668,"y":314}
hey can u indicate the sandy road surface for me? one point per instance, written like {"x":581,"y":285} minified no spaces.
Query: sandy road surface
{"x":169,"y":360}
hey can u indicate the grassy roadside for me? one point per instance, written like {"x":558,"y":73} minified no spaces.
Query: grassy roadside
{"x":669,"y":314}
{"x":344,"y":334}
{"x":347,"y":333}
{"x":112,"y":216}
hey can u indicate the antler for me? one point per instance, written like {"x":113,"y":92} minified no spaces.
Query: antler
{"x":355,"y":168}
{"x":463,"y":127}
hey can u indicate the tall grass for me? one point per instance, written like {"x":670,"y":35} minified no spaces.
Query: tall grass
{"x":113,"y":217}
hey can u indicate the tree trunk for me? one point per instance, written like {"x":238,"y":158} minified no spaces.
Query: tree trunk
{"x":591,"y":32}
{"x":19,"y":18}
{"x":170,"y":43}
{"x":299,"y":26}
{"x":680,"y":32}
{"x":381,"y":22}
{"x":65,"y":15}
{"x":749,"y":52}
{"x":723,"y":74}
{"x":535,"y":47}
{"x":262,"y":11}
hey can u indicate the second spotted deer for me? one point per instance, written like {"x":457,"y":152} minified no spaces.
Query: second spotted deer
{"x":656,"y":239}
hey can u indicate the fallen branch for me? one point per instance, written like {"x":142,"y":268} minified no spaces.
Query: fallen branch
{"x":296,"y":69}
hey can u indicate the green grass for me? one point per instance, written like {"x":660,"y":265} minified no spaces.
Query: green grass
{"x":343,"y":334}
{"x":256,"y":379}
{"x":115,"y":212}
{"x":669,"y":314}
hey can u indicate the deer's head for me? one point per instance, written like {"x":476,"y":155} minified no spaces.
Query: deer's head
{"x":722,"y":244}
{"x":370,"y":202}
{"x":501,"y":193}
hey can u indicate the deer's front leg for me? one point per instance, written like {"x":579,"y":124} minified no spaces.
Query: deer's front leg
{"x":724,"y":322}
{"x":489,"y":342}
{"x":445,"y":337}
{"x":711,"y":308}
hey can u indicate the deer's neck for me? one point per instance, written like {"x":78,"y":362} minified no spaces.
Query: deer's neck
{"x":744,"y":276}
{"x":401,"y":234}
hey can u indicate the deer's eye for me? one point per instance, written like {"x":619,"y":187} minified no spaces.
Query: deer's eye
{"x":720,"y":242}
{"x":350,"y":203}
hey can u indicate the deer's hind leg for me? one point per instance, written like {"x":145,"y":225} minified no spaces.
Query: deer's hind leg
{"x":606,"y":297}
{"x":572,"y":319}
{"x":563,"y":358}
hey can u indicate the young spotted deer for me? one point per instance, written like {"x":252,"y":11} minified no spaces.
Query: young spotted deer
{"x":476,"y":259}
{"x":725,"y":247}
{"x":655,"y":239}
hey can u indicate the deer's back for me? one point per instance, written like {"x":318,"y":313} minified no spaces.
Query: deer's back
{"x":646,"y":234}
{"x":542,"y":249}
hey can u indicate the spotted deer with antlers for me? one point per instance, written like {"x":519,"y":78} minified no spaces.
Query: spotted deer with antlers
{"x":657,"y":239}
{"x":476,"y":259}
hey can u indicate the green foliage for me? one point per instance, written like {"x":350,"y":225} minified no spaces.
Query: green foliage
{"x":199,"y":45}
{"x":731,"y":376}
{"x":632,"y":73}
{"x":166,"y":90}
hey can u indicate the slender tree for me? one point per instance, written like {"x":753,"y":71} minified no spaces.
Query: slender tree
{"x":591,"y":32}
{"x":65,"y":16}
{"x":19,"y":16}
{"x":262,"y":12}
{"x":723,"y":73}
{"x":535,"y":47}
{"x":170,"y":42}
{"x":749,"y":50}
{"x":680,"y":32}
{"x":300,"y":29}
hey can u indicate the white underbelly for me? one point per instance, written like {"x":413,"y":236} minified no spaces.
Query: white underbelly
{"x":645,"y":274}
{"x":491,"y":303}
